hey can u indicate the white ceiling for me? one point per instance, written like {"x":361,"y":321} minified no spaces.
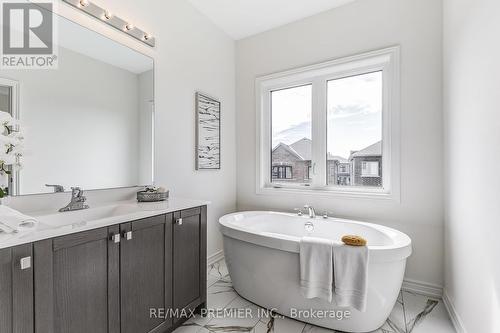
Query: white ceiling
{"x":243,"y":18}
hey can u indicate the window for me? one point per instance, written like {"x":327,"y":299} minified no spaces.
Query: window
{"x":291,"y":130}
{"x":369,"y":169}
{"x":354,"y":122}
{"x":336,"y":123}
{"x":282,"y":172}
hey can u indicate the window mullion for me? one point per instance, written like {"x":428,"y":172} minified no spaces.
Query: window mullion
{"x":319,"y":119}
{"x":265,"y":139}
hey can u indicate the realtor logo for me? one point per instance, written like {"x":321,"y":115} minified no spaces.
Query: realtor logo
{"x":28,"y":35}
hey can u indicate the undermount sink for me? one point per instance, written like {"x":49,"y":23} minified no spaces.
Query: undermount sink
{"x":86,"y":215}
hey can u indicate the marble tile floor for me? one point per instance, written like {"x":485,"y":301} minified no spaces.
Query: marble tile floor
{"x":413,"y":313}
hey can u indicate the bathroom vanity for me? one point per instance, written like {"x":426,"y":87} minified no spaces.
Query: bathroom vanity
{"x":122,"y":272}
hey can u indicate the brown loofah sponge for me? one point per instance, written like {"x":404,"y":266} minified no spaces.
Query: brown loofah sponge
{"x":354,"y":240}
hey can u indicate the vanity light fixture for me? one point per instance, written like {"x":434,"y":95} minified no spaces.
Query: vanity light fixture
{"x":107,"y":15}
{"x":114,"y":21}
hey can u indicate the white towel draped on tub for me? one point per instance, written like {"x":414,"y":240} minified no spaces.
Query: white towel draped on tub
{"x":350,"y":270}
{"x":12,"y":221}
{"x":316,"y":268}
{"x":331,"y":270}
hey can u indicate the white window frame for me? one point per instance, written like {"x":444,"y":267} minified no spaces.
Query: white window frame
{"x":388,"y":62}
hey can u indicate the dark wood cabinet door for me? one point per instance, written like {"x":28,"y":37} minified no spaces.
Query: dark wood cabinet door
{"x":76,"y":283}
{"x":16,"y":289}
{"x":189,"y":258}
{"x":145,"y":264}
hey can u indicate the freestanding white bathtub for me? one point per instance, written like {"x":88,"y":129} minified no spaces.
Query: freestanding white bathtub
{"x":262,"y":255}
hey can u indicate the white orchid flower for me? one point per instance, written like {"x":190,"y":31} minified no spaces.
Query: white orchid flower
{"x":8,"y":141}
{"x":11,"y":143}
{"x":16,"y":135}
{"x":8,"y":159}
{"x":6,"y":119}
{"x":16,"y":150}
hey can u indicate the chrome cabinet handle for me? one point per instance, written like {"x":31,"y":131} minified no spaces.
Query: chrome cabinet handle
{"x":115,"y":238}
{"x":25,"y":262}
{"x":179,"y":221}
{"x":128,"y":235}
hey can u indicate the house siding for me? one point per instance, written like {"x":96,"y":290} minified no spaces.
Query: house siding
{"x":282,"y":156}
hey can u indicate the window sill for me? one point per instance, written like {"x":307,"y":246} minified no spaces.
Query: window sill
{"x":375,"y":194}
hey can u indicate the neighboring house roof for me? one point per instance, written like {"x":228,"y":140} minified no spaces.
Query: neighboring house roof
{"x":302,"y":149}
{"x":287,"y":148}
{"x":372,"y":150}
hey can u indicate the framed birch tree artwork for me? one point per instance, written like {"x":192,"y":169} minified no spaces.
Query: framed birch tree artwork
{"x":207,"y":132}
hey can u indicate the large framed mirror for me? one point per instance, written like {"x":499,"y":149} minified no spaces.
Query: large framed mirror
{"x":88,"y":123}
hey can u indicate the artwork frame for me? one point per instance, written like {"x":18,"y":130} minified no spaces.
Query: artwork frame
{"x":208,"y":132}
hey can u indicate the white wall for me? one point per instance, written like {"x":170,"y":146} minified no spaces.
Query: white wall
{"x":355,"y":28}
{"x":472,"y":141}
{"x":191,"y":54}
{"x":80,"y":123}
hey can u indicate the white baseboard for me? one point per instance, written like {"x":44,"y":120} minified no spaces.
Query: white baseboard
{"x":215,"y":257}
{"x":423,"y":288}
{"x":436,"y":291}
{"x":455,"y":318}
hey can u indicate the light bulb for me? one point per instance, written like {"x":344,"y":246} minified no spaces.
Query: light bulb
{"x":84,"y":3}
{"x":129,"y":27}
{"x":107,"y":15}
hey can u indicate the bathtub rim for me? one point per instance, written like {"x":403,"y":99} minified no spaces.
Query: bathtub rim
{"x":399,"y":250}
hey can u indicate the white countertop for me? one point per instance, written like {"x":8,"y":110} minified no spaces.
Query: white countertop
{"x":54,"y":224}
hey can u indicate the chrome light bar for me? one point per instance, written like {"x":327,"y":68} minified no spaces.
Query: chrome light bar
{"x":114,"y":21}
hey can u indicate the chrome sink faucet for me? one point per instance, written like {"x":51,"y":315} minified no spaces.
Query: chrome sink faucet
{"x":310,"y":210}
{"x":77,"y":201}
